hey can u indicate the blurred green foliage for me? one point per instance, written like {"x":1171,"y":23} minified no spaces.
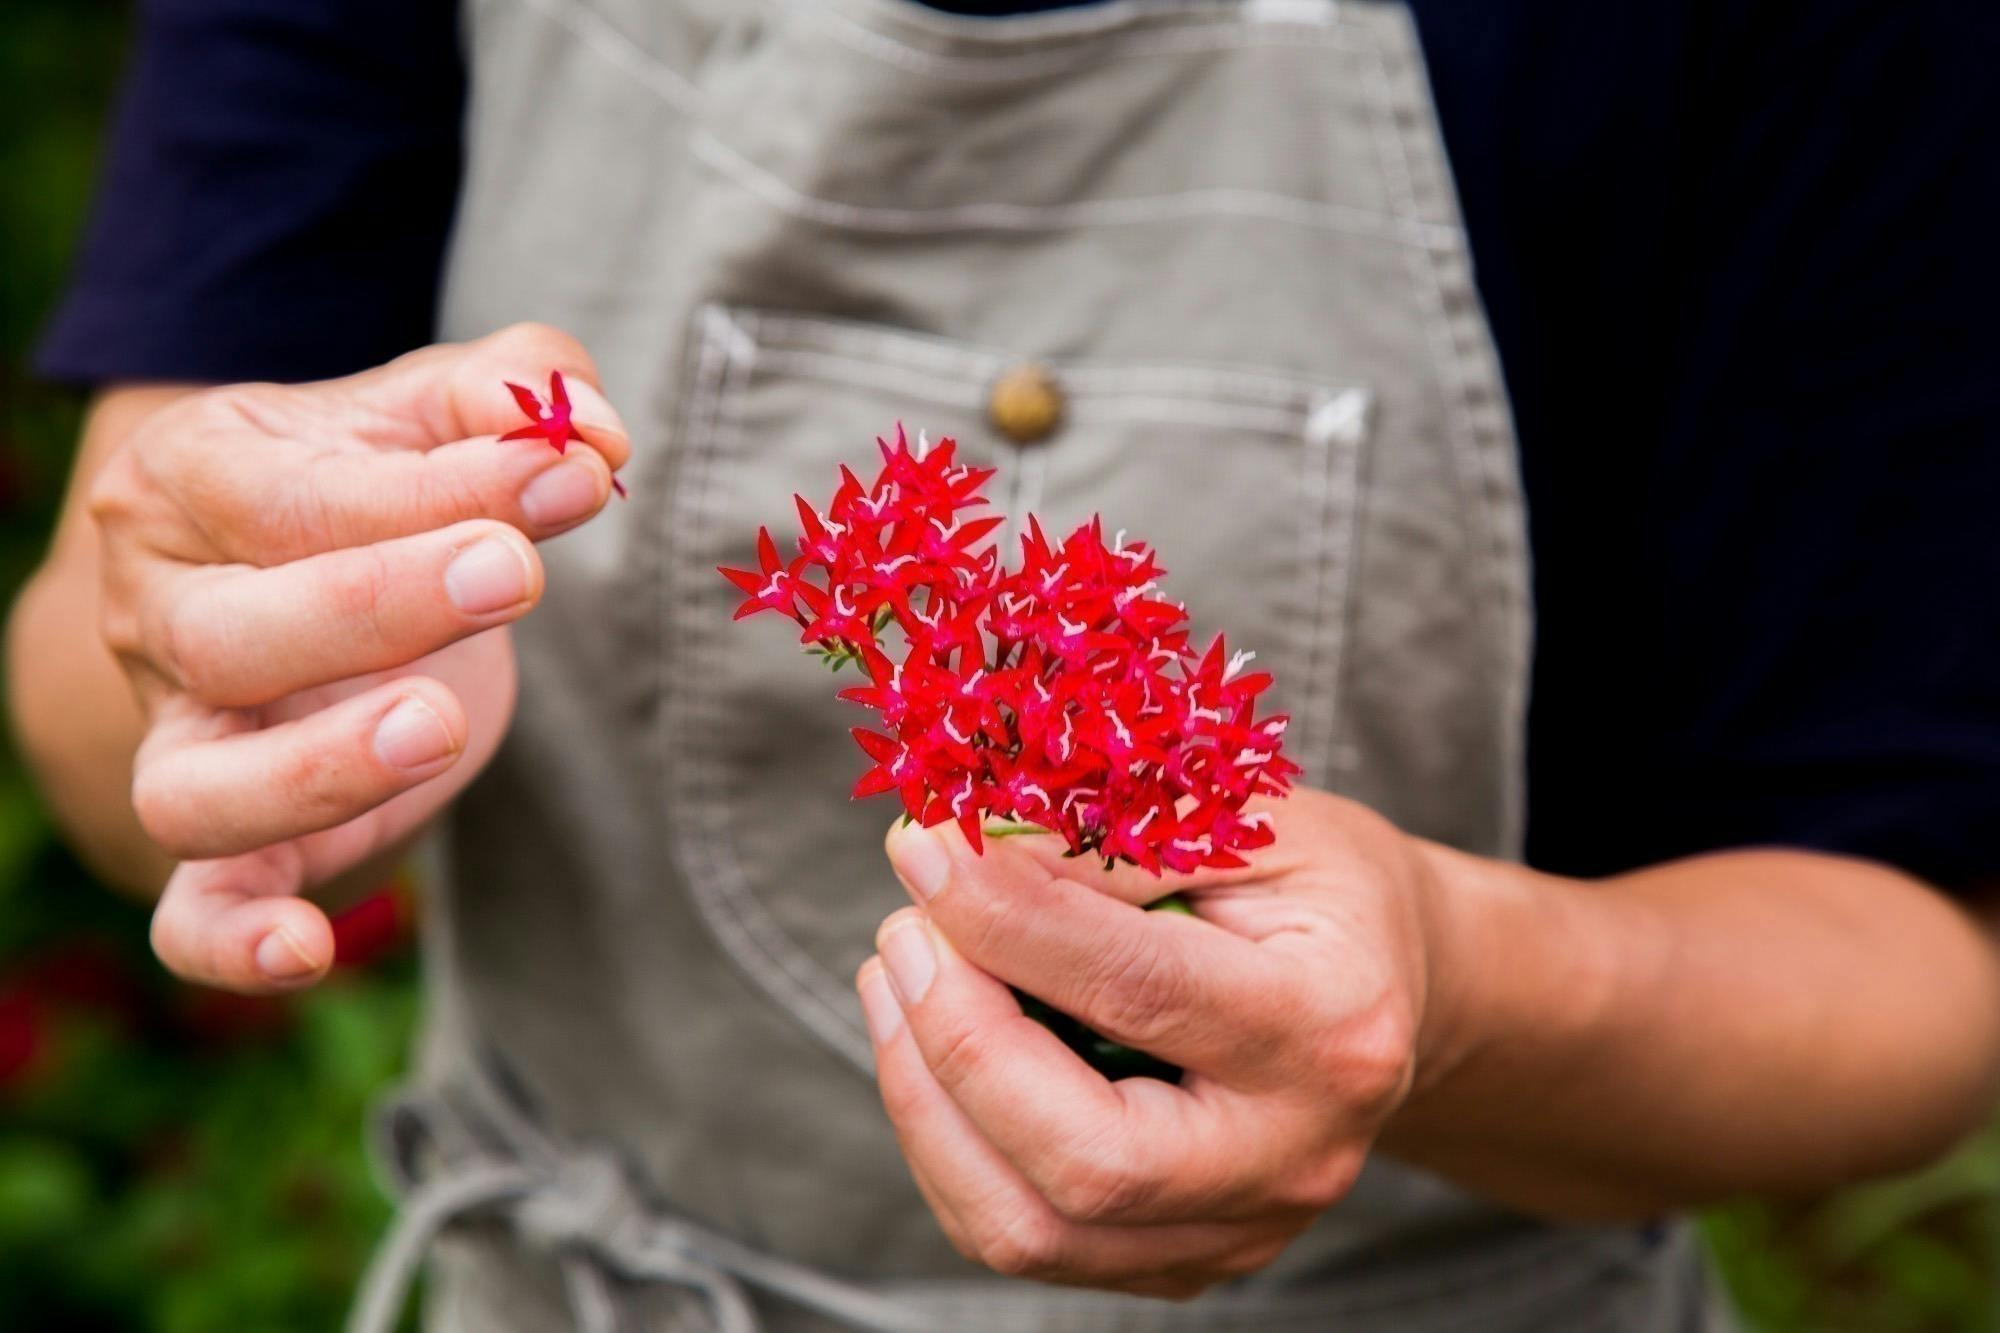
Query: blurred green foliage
{"x":192,"y":1163}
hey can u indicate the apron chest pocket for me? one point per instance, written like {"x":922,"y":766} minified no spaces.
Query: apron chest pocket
{"x":1245,"y":482}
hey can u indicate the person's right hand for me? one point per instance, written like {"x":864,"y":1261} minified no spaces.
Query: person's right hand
{"x":307,"y":587}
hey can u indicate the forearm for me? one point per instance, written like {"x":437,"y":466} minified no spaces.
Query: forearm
{"x":72,"y":709}
{"x":1764,"y":1021}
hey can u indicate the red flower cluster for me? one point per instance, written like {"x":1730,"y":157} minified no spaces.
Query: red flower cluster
{"x":1063,"y":693}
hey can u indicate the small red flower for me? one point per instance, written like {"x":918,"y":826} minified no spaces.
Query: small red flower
{"x":369,"y":929}
{"x":23,"y":1033}
{"x":772,"y":586}
{"x":549,"y":420}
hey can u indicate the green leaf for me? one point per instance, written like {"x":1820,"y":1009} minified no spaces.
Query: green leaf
{"x":46,"y":1191}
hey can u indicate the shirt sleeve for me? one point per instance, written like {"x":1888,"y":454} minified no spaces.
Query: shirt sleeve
{"x":1807,"y":650}
{"x":275,"y":196}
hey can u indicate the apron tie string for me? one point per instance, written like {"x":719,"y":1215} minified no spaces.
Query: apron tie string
{"x":385,"y":1287}
{"x":580,"y":1204}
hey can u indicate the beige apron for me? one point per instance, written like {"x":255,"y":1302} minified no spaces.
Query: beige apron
{"x":1228,"y":229}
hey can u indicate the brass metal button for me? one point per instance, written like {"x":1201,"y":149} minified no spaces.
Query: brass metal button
{"x":1026,"y":404}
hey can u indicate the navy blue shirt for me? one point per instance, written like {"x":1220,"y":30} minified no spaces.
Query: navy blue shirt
{"x":1740,"y":260}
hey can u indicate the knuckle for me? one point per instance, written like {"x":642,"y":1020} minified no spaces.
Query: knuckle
{"x":1096,"y":1186}
{"x":302,"y":516}
{"x":158,"y":806}
{"x":903,"y":1099}
{"x":450,"y":493}
{"x":541,"y":343}
{"x":121,"y":627}
{"x":184,"y":436}
{"x":960,"y":1242}
{"x":1368,"y":1058}
{"x":117,"y":492}
{"x":1253,"y":1258}
{"x":1026,"y":1245}
{"x":1144,"y":993}
{"x":358,"y":591}
{"x":1266,"y":1022}
{"x":964,"y":1055}
{"x":179,"y":645}
{"x":1311,"y":1189}
{"x":980,"y":923}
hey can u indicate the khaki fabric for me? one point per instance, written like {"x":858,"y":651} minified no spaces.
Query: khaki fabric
{"x":1228,"y":231}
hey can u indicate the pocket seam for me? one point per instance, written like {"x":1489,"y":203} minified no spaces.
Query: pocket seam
{"x":1184,"y":33}
{"x":743,"y":925}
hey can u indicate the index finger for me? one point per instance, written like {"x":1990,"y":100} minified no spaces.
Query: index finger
{"x":266,"y":508}
{"x":407,"y":448}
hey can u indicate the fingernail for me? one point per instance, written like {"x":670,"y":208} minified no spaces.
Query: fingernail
{"x":594,"y":414}
{"x":487,"y":576}
{"x":921,"y":861}
{"x":281,"y":958}
{"x":912,"y":962}
{"x":563,"y":494}
{"x":411,"y":735}
{"x":879,"y":1007}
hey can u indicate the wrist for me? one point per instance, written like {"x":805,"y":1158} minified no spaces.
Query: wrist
{"x":1521,"y":969}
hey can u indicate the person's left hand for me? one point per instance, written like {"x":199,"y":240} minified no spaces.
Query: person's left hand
{"x":1294,"y":1000}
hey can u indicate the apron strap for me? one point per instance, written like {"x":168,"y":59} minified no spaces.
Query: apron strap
{"x":485,"y":1153}
{"x":385,"y":1287}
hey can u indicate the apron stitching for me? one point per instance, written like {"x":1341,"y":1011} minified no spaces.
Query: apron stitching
{"x":1313,"y":1306}
{"x":1215,"y":381}
{"x":1224,"y":30}
{"x":841,"y":1009}
{"x":1138,"y":391}
{"x":1210,"y":381}
{"x":1333,"y":460}
{"x":1347,"y":500}
{"x":875,"y":375}
{"x":1489,"y":430}
{"x":1077,"y":23}
{"x":794,"y":968}
{"x":1315,"y":544}
{"x":598,"y":35}
{"x":1470,"y":444}
{"x":1221,"y":201}
{"x":611,"y":45}
{"x":884,"y":342}
{"x":1202,"y":412}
